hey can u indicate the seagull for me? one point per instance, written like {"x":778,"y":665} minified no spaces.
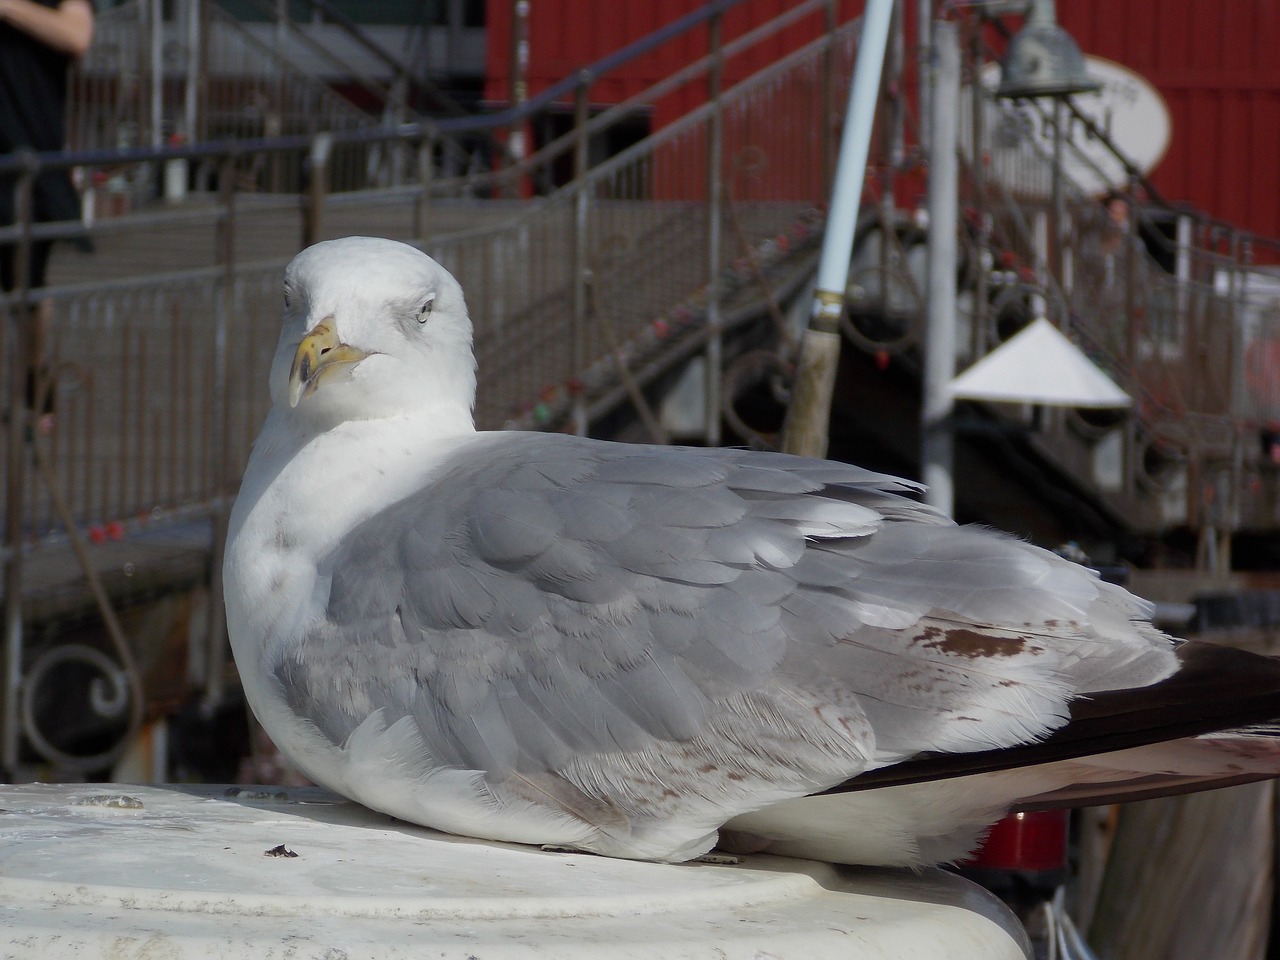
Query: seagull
{"x":642,"y":651}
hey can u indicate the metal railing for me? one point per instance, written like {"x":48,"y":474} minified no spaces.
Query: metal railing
{"x":146,"y":83}
{"x":159,"y":350}
{"x":200,"y":73}
{"x":1168,"y":301}
{"x":583,"y":292}
{"x":1181,"y":310}
{"x":628,"y":238}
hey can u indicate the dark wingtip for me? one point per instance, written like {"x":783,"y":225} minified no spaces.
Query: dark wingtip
{"x":1215,"y":688}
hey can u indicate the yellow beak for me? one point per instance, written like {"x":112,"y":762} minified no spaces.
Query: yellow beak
{"x":320,"y":356}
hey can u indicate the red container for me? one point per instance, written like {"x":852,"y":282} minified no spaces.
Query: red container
{"x":1031,"y":842}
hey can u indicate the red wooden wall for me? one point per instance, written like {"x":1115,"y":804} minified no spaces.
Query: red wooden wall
{"x":1216,"y":62}
{"x":565,"y":35}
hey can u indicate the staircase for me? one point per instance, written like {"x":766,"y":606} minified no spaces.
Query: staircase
{"x":581,"y":290}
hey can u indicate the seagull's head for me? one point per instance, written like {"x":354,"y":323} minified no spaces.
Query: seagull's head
{"x":373,"y":328}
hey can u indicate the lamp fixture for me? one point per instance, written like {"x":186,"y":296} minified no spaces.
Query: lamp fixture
{"x":1042,"y":59}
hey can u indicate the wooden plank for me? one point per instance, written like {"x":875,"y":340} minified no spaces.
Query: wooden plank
{"x":1190,"y":878}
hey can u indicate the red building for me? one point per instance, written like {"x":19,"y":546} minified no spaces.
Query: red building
{"x":565,"y":36}
{"x":1213,"y":62}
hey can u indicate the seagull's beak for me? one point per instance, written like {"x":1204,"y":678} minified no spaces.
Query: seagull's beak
{"x":320,"y":356}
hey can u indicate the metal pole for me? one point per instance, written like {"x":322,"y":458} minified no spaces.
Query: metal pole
{"x":156,"y":15}
{"x":924,"y":44}
{"x":580,"y":160}
{"x":426,"y":172}
{"x":715,"y":210}
{"x":1131,"y":454}
{"x":978,"y":137}
{"x":15,"y":469}
{"x":893,"y":136}
{"x":272,"y":125}
{"x":807,"y":416}
{"x":200,"y":131}
{"x":828,"y":93}
{"x":517,"y":135}
{"x":317,"y":188}
{"x":1058,"y":212}
{"x":936,"y":428}
{"x":215,"y":670}
{"x":191,"y":91}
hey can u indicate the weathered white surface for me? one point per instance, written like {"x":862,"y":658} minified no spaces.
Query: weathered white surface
{"x":95,"y":870}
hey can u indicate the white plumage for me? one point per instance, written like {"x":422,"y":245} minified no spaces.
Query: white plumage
{"x":623,"y":648}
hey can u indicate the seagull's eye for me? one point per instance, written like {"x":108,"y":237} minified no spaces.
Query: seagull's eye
{"x":424,"y":312}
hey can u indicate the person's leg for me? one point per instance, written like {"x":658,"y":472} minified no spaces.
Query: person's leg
{"x":7,"y":258}
{"x":40,"y":386}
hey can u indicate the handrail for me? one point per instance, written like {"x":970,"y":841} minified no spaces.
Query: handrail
{"x":671,"y":82}
{"x":424,"y":130}
{"x":419,"y":129}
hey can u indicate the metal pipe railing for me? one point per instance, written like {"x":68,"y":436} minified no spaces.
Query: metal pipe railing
{"x":161,"y":379}
{"x":637,"y":235}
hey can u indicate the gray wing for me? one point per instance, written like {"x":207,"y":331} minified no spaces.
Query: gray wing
{"x":553,"y":604}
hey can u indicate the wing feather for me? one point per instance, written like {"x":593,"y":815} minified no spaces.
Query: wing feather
{"x":548,"y":607}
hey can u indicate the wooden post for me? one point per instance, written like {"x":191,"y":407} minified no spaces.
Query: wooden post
{"x":1189,"y":878}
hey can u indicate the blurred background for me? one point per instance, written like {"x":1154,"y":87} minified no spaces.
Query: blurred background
{"x":634,"y":197}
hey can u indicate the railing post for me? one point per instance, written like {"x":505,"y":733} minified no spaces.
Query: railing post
{"x":828,"y":96}
{"x":518,"y":145}
{"x":279,"y":82}
{"x":19,"y":363}
{"x":317,"y":188}
{"x":426,"y":172}
{"x":200,"y":129}
{"x":1057,"y":205}
{"x":155,"y":39}
{"x":715,"y":202}
{"x":192,"y":86}
{"x":220,"y":441}
{"x":580,"y":279}
{"x":924,"y":71}
{"x":937,"y":431}
{"x":1237,"y":387}
{"x":398,"y":106}
{"x":978,"y":137}
{"x":1130,"y":239}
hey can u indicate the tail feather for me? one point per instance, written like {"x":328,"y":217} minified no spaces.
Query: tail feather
{"x":1221,"y":702}
{"x":937,"y":820}
{"x":1164,"y":769}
